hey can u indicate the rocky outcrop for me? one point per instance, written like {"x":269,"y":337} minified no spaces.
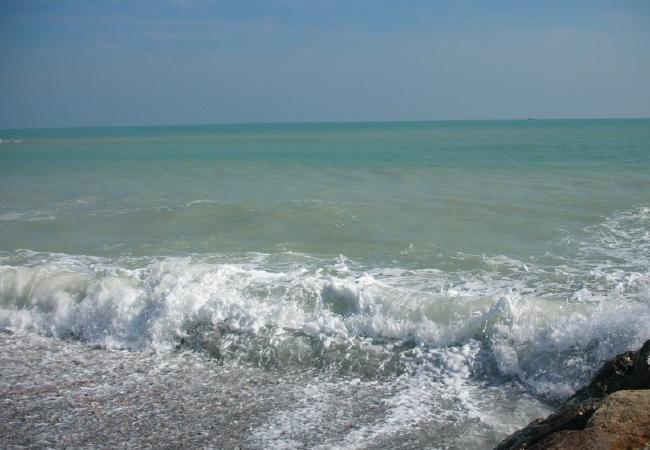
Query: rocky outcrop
{"x":624,"y":417}
{"x":612,"y":412}
{"x":629,"y":370}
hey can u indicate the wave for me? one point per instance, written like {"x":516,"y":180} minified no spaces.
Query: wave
{"x":545,"y":326}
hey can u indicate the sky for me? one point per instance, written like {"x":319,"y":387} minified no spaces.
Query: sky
{"x":69,"y":63}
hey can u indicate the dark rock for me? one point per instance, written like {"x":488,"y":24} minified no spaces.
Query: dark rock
{"x":591,"y":419}
{"x":575,"y":440}
{"x":622,"y":421}
{"x":629,"y":370}
{"x":573,"y":417}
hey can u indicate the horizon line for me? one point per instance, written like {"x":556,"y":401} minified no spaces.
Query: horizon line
{"x":317,"y":122}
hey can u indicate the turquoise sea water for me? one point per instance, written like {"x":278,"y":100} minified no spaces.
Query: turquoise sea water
{"x":498,"y":261}
{"x":368,"y":191}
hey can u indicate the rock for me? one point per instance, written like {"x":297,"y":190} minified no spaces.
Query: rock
{"x":592,"y":419}
{"x":574,"y":440}
{"x":573,"y":417}
{"x":622,"y":421}
{"x":629,"y":370}
{"x":624,"y":417}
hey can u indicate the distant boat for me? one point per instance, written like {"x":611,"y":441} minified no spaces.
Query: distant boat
{"x":530,"y":118}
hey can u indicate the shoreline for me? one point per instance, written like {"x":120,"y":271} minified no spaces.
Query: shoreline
{"x":60,"y":394}
{"x":66,"y":394}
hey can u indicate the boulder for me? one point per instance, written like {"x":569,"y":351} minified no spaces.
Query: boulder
{"x":624,"y":417}
{"x":574,"y":440}
{"x":612,"y":412}
{"x":573,"y":417}
{"x":629,"y":370}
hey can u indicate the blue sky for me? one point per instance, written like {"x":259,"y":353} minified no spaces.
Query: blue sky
{"x":141,"y":62}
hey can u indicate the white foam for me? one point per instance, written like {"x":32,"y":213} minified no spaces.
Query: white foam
{"x":286,"y":429}
{"x":546,"y":326}
{"x":30,"y":216}
{"x":202,"y":202}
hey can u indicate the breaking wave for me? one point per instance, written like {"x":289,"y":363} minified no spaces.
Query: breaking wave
{"x":546,"y":326}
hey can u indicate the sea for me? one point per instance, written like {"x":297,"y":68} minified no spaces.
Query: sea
{"x":377,"y":285}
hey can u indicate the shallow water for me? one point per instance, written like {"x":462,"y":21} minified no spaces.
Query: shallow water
{"x":407,"y":284}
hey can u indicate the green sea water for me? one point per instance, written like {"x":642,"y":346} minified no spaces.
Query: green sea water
{"x":404,"y":192}
{"x":406,"y":284}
